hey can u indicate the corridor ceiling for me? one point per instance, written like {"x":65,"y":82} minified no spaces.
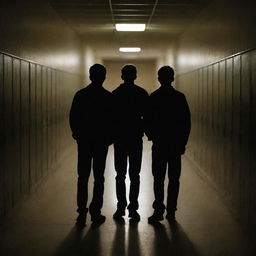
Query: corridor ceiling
{"x":94,"y":20}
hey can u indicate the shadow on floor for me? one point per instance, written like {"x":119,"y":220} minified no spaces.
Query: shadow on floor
{"x":75,"y":244}
{"x":177,"y":243}
{"x":118,"y":245}
{"x":166,"y":241}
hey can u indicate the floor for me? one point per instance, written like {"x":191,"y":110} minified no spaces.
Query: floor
{"x":43,"y":224}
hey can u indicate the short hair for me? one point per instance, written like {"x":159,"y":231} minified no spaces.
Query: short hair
{"x":166,"y":71}
{"x":97,"y":69}
{"x":128,"y":70}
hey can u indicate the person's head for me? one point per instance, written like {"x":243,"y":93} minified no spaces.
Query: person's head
{"x":97,"y":73}
{"x":166,"y":75}
{"x":129,"y":73}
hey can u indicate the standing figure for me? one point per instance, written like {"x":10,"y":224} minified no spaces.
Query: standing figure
{"x":130,"y":101}
{"x":90,"y":116}
{"x":168,"y":126}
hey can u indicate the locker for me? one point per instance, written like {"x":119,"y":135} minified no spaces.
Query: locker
{"x":2,"y":169}
{"x":44,"y":119}
{"x":210,"y":119}
{"x":200,"y":121}
{"x":8,"y":132}
{"x":237,"y":126}
{"x":32,"y":97}
{"x":25,"y":129}
{"x":253,"y":111}
{"x":215,"y":120}
{"x":229,"y":118}
{"x":39,"y":123}
{"x":49,"y":118}
{"x":54,"y":116}
{"x":253,"y":142}
{"x":245,"y":96}
{"x":222,"y":123}
{"x":245,"y":129}
{"x":17,"y":129}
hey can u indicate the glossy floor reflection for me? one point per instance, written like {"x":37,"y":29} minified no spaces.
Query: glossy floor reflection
{"x":43,"y":224}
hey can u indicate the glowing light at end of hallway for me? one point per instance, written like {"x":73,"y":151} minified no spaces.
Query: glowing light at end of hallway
{"x":130,"y":27}
{"x":129,"y":49}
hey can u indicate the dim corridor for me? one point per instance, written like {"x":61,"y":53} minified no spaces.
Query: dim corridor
{"x":43,"y":223}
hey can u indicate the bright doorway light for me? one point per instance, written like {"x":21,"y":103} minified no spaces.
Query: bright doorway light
{"x":129,"y":49}
{"x":130,"y":27}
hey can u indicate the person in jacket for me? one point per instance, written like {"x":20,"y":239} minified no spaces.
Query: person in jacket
{"x":90,"y":119}
{"x":168,"y":127}
{"x":130,"y":101}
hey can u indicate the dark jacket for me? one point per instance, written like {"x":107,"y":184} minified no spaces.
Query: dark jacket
{"x":130,"y":102}
{"x":91,"y":115}
{"x":168,"y":119}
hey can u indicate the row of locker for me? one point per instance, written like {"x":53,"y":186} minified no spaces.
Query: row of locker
{"x":35,"y":102}
{"x":222,"y":99}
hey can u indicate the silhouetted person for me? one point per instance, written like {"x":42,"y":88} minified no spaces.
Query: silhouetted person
{"x":130,"y":101}
{"x":90,"y":122}
{"x":168,"y":126}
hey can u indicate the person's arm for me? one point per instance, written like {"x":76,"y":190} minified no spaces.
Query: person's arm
{"x":74,"y":117}
{"x":186,"y":121}
{"x":147,"y":118}
{"x":144,"y":101}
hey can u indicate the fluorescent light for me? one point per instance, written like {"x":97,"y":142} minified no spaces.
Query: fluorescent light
{"x":130,"y":27}
{"x":129,"y":49}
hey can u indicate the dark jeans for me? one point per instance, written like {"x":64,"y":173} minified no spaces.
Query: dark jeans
{"x":160,"y":159}
{"x":128,"y":152}
{"x":91,"y":155}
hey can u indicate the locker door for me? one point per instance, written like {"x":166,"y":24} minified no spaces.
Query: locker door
{"x":2,"y":169}
{"x":17,"y":128}
{"x":25,"y":127}
{"x":8,"y":132}
{"x":32,"y":99}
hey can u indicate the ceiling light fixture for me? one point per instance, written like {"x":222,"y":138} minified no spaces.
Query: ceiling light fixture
{"x":130,"y":27}
{"x":129,"y":49}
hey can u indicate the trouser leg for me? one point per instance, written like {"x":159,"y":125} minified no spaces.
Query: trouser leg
{"x":99,"y":163}
{"x":174,"y":171}
{"x":159,"y":165}
{"x":120,"y":156}
{"x":84,"y":169}
{"x":135,"y":156}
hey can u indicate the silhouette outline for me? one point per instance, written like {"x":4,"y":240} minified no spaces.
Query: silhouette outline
{"x":90,"y":115}
{"x":130,"y":101}
{"x":168,"y":125}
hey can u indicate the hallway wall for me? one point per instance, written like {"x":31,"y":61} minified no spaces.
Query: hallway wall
{"x":36,"y":90}
{"x":34,"y":131}
{"x":222,"y":98}
{"x":221,"y":92}
{"x":224,"y":28}
{"x":34,"y":31}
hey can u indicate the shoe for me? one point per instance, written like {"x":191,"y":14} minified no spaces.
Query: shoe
{"x":135,"y":217}
{"x":98,"y":219}
{"x":118,"y":215}
{"x":155,"y":218}
{"x":81,"y":221}
{"x":170,"y":217}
